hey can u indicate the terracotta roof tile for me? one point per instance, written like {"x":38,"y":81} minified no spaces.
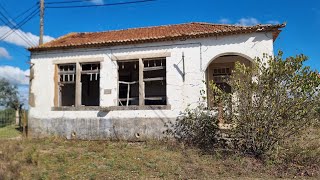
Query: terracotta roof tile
{"x":152,"y":34}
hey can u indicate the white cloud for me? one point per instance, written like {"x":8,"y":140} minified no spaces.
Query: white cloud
{"x":14,"y":38}
{"x":273,"y":22}
{"x":97,"y":1}
{"x":224,"y":21}
{"x":248,"y":21}
{"x":4,"y":53}
{"x":15,"y":75}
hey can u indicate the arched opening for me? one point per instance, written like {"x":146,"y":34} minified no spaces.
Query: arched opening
{"x":218,"y":71}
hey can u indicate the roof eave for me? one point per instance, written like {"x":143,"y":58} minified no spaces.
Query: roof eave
{"x":275,"y":29}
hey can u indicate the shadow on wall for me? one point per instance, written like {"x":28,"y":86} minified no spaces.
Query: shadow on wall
{"x":179,"y":70}
{"x":102,"y":113}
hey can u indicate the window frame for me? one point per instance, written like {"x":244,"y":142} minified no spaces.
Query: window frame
{"x":78,"y":73}
{"x":142,"y":80}
{"x":56,"y":62}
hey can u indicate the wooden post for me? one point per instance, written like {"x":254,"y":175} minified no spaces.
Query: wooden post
{"x":141,"y":83}
{"x":41,"y":22}
{"x":31,"y":95}
{"x":78,"y":85}
{"x":17,"y":116}
{"x":56,"y":87}
{"x":24,"y":123}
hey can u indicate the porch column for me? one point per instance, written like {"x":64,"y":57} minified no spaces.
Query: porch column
{"x":141,"y":83}
{"x":78,"y":102}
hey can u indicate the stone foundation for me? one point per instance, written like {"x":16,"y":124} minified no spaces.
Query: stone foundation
{"x":130,"y":129}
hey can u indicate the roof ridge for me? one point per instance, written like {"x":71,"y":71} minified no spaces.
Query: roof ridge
{"x":155,"y":33}
{"x":167,"y":25}
{"x":216,"y":24}
{"x":145,"y":27}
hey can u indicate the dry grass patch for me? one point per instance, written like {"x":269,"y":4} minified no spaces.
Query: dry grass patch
{"x":60,"y":159}
{"x":301,"y":156}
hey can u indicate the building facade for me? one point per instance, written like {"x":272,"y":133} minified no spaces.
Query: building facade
{"x":127,"y":84}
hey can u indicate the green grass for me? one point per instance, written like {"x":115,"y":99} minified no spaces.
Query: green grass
{"x":55,"y":158}
{"x":61,"y":159}
{"x":9,"y":132}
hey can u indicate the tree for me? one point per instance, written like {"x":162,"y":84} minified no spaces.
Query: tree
{"x":8,"y":94}
{"x":272,"y":101}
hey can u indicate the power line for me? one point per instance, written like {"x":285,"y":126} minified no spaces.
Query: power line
{"x":11,"y":21}
{"x":10,"y":46}
{"x":26,"y":11}
{"x":24,"y":21}
{"x":66,"y":2}
{"x":20,"y":34}
{"x":23,"y":13}
{"x":100,"y":5}
{"x":4,"y":9}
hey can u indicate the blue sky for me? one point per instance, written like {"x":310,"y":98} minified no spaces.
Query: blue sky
{"x":301,"y":34}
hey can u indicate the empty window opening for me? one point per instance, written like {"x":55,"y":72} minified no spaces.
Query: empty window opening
{"x":90,"y":84}
{"x":154,"y":74}
{"x":221,"y":76}
{"x":86,"y":78}
{"x":67,"y":86}
{"x":128,"y":83}
{"x":152,"y":86}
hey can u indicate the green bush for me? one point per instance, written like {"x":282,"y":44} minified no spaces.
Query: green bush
{"x":273,"y":101}
{"x":271,"y":108}
{"x":196,"y":127}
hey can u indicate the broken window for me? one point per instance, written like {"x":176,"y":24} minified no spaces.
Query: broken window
{"x":67,"y":87}
{"x":128,"y":83}
{"x":220,"y":77}
{"x":88,"y":84}
{"x":154,"y":74}
{"x":150,"y":90}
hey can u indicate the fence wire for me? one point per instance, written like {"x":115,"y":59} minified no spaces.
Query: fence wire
{"x":10,"y":124}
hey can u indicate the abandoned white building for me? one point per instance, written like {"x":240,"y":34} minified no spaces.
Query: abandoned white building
{"x":127,"y":83}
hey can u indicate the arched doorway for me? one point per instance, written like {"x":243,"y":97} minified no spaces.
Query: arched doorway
{"x":218,"y":71}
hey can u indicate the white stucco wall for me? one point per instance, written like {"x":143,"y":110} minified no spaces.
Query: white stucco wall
{"x":198,"y":55}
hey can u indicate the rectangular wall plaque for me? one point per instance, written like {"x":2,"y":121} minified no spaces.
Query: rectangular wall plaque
{"x":107,"y":91}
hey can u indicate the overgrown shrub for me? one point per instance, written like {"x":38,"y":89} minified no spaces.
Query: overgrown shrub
{"x":196,"y":127}
{"x":272,"y":101}
{"x":272,"y":106}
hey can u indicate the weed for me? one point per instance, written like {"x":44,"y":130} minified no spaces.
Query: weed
{"x":32,"y":156}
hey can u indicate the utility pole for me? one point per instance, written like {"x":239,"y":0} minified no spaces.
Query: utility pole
{"x":41,"y":21}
